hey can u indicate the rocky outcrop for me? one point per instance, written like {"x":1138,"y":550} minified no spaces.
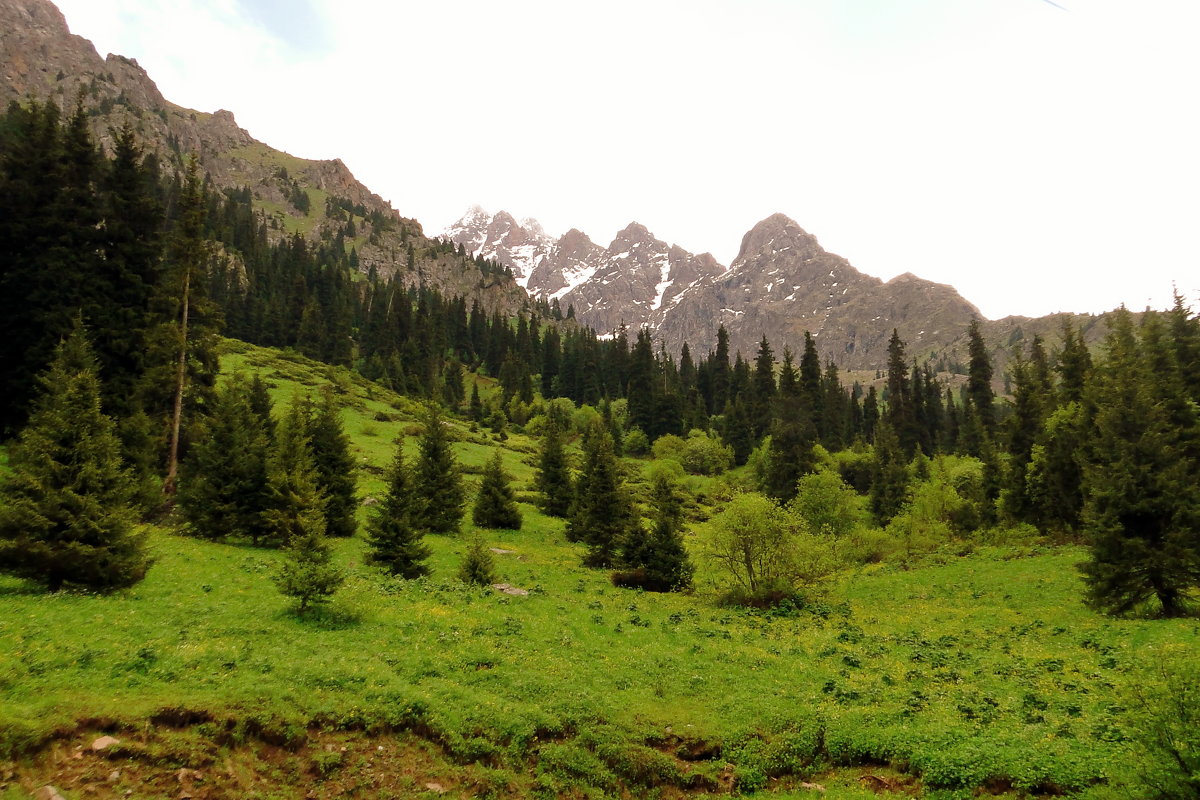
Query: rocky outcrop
{"x":41,"y":58}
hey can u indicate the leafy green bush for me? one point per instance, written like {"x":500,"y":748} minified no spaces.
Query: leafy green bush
{"x":705,"y":454}
{"x":827,"y":504}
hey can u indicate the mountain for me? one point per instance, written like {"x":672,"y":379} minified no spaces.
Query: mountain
{"x":41,"y":58}
{"x":781,"y":284}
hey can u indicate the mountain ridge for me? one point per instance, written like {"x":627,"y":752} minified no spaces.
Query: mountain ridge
{"x":41,"y":59}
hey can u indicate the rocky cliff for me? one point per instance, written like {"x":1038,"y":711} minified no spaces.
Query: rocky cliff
{"x":40,"y":58}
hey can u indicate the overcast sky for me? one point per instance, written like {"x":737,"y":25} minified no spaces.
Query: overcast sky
{"x":1038,"y":156}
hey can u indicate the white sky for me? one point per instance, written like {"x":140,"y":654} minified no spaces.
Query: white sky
{"x":1038,"y":159}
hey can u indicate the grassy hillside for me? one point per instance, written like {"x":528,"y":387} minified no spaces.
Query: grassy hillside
{"x":970,"y":671}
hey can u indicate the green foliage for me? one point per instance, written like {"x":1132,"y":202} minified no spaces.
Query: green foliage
{"x":395,"y":544}
{"x":495,"y":504}
{"x":657,"y":558}
{"x":295,"y":506}
{"x":756,"y":547}
{"x":1165,"y":728}
{"x":308,"y":572}
{"x":670,"y":446}
{"x":705,"y":454}
{"x":437,"y":480}
{"x":67,"y":516}
{"x":335,"y":467}
{"x":827,"y":504}
{"x":554,"y":472}
{"x":635,"y":443}
{"x":889,"y":488}
{"x":478,"y":566}
{"x":223,"y":491}
{"x":1143,"y":477}
{"x":602,"y":513}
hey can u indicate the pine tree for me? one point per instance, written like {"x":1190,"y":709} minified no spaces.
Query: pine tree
{"x":889,"y":484}
{"x":496,"y":505}
{"x":979,"y":378}
{"x":1142,"y":480}
{"x":791,"y":453}
{"x":295,"y":506}
{"x":189,"y":333}
{"x":393,"y":541}
{"x":1074,"y":364}
{"x":658,"y":557}
{"x":437,"y":479}
{"x":67,"y":516}
{"x":763,"y":388}
{"x":554,"y":473}
{"x":308,"y":572}
{"x":335,"y":467}
{"x":602,"y":512}
{"x":478,"y":566}
{"x":224,"y":491}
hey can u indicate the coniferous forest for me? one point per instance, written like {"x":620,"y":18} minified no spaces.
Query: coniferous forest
{"x":935,"y":582}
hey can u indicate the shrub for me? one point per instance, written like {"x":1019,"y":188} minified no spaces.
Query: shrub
{"x":704,"y":454}
{"x":827,"y":504}
{"x":670,"y":446}
{"x":635,"y":443}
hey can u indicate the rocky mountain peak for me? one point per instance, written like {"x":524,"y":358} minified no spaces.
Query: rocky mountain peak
{"x":776,"y":233}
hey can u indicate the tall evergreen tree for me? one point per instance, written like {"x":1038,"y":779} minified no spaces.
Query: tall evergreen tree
{"x":901,"y":414}
{"x":308,"y":572}
{"x":554,"y":472}
{"x":889,"y":484}
{"x":791,"y":453}
{"x":1074,"y":364}
{"x":67,"y":516}
{"x":979,"y":378}
{"x":1142,"y":480}
{"x":223,"y":490}
{"x":188,"y":335}
{"x":495,"y":504}
{"x":335,"y":467}
{"x":437,"y":479}
{"x":295,"y":505}
{"x":602,"y":513}
{"x":658,"y":556}
{"x":393,"y":541}
{"x":763,"y":394}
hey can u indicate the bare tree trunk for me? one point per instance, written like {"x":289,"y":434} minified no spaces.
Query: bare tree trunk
{"x":169,"y":483}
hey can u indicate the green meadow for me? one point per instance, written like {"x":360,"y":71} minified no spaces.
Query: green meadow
{"x":976,"y":669}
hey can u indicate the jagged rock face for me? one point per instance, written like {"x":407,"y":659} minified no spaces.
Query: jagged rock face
{"x":521,"y":246}
{"x":40,"y":57}
{"x":632,"y":282}
{"x":781,"y":284}
{"x":784,"y":283}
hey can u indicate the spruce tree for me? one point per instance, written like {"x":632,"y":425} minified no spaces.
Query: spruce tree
{"x":308,"y":572}
{"x":295,"y":505}
{"x":979,"y":378}
{"x":495,"y":505}
{"x":223,"y":489}
{"x":791,"y":451}
{"x":335,"y":467}
{"x":889,"y":484}
{"x":394,"y":543}
{"x":437,"y":480}
{"x":554,"y":472}
{"x":67,"y":516}
{"x":602,"y":512}
{"x":478,"y":566}
{"x":1142,"y":479}
{"x":657,"y":556}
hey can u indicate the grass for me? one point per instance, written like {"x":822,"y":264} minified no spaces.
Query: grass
{"x":981,"y":671}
